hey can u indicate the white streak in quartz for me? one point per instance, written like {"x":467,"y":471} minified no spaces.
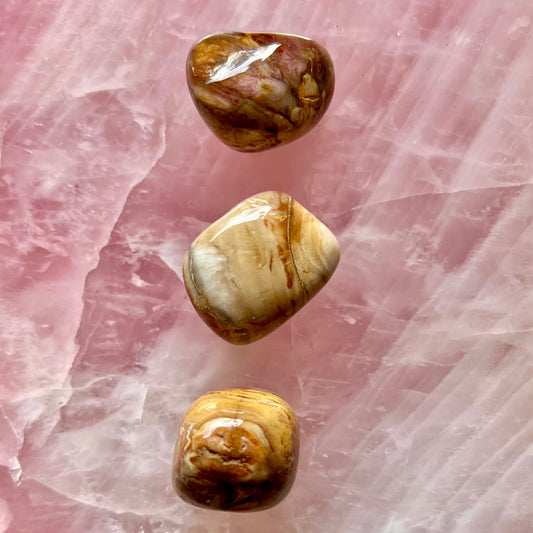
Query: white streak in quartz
{"x":5,"y":515}
{"x":238,"y":62}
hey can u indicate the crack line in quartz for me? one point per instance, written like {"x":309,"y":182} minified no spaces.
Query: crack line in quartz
{"x":159,"y":153}
{"x":434,"y":194}
{"x":93,"y":505}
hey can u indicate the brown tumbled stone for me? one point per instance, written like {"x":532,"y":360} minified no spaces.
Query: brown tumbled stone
{"x":259,"y":90}
{"x":237,"y":450}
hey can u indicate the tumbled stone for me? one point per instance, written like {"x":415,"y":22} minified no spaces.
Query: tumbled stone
{"x":255,"y":267}
{"x":237,"y":450}
{"x":259,"y":90}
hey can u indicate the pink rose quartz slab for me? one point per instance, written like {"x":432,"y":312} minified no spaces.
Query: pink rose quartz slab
{"x":411,"y":373}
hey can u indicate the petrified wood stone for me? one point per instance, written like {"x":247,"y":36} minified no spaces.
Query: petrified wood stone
{"x":258,"y":90}
{"x":255,"y":267}
{"x":237,"y":450}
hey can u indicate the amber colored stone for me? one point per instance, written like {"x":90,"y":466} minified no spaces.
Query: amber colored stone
{"x":237,"y":450}
{"x":255,"y":267}
{"x":259,"y":90}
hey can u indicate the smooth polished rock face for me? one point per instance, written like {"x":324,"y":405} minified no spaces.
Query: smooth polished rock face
{"x":259,"y":90}
{"x":237,"y":450}
{"x":255,"y":267}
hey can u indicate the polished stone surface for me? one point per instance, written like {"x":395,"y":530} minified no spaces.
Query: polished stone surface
{"x":258,"y":265}
{"x":237,"y":451}
{"x":259,"y":90}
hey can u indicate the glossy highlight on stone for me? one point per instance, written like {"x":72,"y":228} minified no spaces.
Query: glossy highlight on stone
{"x":255,"y":267}
{"x":259,"y":90}
{"x":237,"y":450}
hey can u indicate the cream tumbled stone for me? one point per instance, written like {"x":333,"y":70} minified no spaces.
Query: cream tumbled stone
{"x":255,"y":267}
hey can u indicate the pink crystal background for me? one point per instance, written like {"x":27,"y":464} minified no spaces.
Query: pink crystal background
{"x":411,"y":372}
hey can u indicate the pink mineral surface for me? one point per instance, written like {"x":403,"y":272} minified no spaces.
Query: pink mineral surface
{"x":411,"y":372}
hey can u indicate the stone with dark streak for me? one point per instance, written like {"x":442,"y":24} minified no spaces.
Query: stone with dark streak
{"x":258,"y":90}
{"x":255,"y":267}
{"x":237,"y":450}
